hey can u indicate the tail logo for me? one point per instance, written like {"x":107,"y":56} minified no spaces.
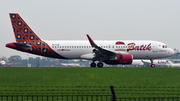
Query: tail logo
{"x":21,"y":28}
{"x":25,"y":35}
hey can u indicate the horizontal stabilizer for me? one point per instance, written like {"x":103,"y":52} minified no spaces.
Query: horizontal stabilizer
{"x":16,"y":45}
{"x":24,"y":46}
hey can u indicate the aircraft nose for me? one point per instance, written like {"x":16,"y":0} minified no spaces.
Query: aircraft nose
{"x":171,"y":52}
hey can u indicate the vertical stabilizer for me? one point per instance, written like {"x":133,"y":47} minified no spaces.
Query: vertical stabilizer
{"x":23,"y":33}
{"x":27,"y":40}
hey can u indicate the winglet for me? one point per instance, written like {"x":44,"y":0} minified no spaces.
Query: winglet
{"x":91,"y":41}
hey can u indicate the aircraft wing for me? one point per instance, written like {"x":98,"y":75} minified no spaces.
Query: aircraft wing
{"x":100,"y":53}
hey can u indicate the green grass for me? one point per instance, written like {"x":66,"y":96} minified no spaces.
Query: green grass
{"x":89,"y":76}
{"x":126,"y":81}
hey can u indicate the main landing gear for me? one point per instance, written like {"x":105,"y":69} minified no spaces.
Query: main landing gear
{"x":100,"y":64}
{"x":152,"y":65}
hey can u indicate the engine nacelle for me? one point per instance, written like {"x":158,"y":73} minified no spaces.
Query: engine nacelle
{"x":124,"y":58}
{"x":121,"y":59}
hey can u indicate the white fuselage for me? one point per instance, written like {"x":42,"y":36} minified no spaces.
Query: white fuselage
{"x":140,"y":49}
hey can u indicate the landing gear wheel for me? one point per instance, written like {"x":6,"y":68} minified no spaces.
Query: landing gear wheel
{"x":93,"y":64}
{"x":152,"y":65}
{"x":100,"y":64}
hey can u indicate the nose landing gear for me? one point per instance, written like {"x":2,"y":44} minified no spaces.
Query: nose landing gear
{"x":152,"y":65}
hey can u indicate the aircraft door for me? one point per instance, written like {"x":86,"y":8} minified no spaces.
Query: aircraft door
{"x":154,"y":47}
{"x":111,"y":47}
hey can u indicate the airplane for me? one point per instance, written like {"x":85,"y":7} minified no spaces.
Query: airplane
{"x":68,"y":64}
{"x":161,"y":63}
{"x":111,"y":52}
{"x":2,"y":63}
{"x":156,"y":62}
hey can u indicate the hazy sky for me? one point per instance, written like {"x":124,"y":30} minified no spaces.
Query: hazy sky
{"x":157,"y":20}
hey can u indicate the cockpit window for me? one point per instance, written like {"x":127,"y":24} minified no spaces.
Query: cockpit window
{"x":164,"y":46}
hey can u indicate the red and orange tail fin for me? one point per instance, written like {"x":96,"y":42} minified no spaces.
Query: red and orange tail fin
{"x":23,"y":33}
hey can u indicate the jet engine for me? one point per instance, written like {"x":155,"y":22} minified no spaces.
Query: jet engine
{"x":120,"y":59}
